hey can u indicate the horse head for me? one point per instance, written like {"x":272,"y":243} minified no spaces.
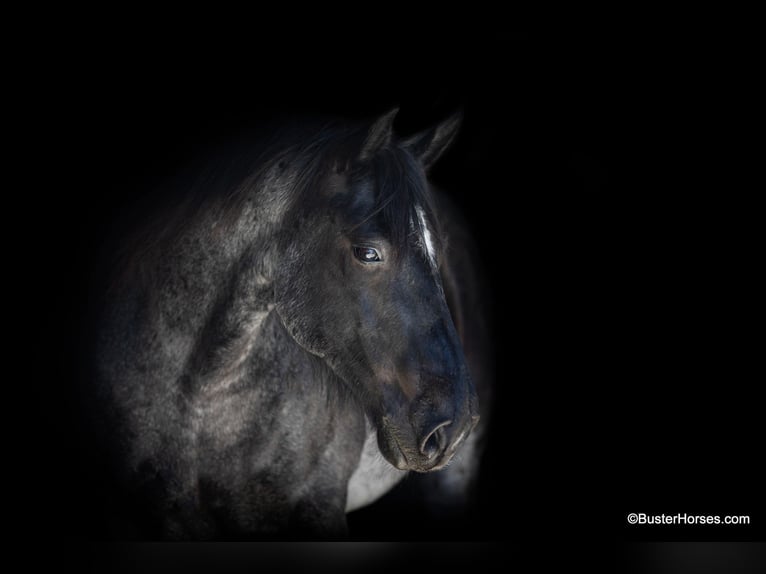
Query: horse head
{"x":360,"y":289}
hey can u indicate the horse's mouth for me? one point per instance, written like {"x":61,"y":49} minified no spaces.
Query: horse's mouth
{"x":401,"y":461}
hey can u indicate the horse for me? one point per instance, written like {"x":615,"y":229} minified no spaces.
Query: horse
{"x":295,"y":335}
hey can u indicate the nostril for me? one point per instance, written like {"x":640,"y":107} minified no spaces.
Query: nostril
{"x":431,"y":446}
{"x":435,"y":441}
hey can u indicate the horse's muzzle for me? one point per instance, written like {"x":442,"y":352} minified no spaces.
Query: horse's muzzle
{"x":426,"y":451}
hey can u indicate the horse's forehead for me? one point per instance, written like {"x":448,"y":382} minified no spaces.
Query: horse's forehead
{"x":365,"y":189}
{"x":360,"y":194}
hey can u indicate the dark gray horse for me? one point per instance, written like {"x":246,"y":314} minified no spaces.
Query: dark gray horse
{"x":294,"y":338}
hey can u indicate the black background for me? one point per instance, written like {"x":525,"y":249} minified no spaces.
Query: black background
{"x":612,"y":195}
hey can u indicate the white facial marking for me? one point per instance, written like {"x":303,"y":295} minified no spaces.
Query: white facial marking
{"x":426,"y":233}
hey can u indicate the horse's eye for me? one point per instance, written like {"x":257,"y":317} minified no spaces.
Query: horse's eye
{"x":367,"y":254}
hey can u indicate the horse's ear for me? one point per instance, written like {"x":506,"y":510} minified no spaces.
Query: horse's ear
{"x":379,"y":135}
{"x":429,"y":145}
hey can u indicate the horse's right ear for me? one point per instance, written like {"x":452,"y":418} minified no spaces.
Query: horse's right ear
{"x":379,"y":135}
{"x":428,"y":146}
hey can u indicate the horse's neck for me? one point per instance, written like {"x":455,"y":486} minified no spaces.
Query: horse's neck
{"x":226,"y":277}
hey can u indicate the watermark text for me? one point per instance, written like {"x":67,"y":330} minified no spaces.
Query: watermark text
{"x":683,"y":519}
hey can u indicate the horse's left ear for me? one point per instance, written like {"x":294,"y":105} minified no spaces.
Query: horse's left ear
{"x":429,"y":145}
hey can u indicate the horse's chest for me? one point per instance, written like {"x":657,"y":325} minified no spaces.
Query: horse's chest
{"x":373,"y":477}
